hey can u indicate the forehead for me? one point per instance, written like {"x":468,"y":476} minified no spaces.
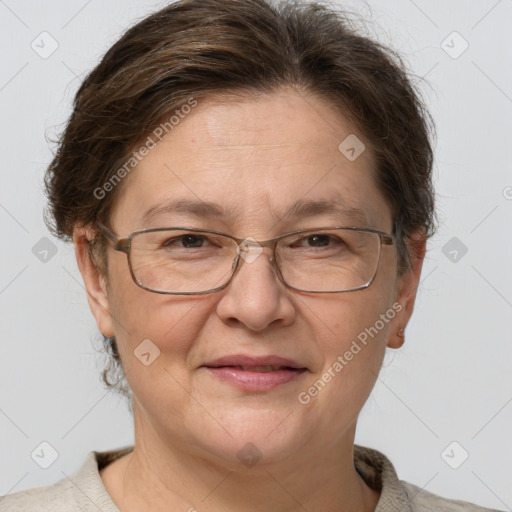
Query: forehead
{"x":252,"y":162}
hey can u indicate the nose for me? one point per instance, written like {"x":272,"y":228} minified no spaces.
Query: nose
{"x":256,"y":297}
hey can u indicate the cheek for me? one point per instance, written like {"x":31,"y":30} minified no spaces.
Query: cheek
{"x":155,"y":345}
{"x":351,"y":334}
{"x":163,"y":325}
{"x":364,"y":316}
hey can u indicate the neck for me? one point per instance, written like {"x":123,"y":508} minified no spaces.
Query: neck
{"x":157,"y":476}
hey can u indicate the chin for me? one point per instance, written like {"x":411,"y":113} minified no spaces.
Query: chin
{"x":253,"y":439}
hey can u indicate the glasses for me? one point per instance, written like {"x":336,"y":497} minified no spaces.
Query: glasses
{"x":190,"y":261}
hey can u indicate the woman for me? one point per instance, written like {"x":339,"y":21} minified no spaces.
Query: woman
{"x":248,"y":189}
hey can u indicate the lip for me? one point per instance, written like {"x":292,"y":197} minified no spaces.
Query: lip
{"x":242,"y":371}
{"x":253,"y":361}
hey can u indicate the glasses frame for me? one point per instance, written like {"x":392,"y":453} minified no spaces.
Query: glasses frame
{"x":125,"y":244}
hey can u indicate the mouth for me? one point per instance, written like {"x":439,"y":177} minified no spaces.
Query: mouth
{"x":256,"y":374}
{"x":262,"y":369}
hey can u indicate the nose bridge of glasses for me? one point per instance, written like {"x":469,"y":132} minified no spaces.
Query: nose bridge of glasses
{"x":250,"y":249}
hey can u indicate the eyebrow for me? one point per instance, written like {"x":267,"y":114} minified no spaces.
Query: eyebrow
{"x":309,"y":208}
{"x":301,"y":208}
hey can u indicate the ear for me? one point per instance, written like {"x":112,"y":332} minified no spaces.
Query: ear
{"x":406,"y":287}
{"x":95,"y":282}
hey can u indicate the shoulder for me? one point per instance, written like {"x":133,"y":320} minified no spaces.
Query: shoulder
{"x":56,"y":497}
{"x":397,"y":495}
{"x":83,"y":491}
{"x":424,"y":501}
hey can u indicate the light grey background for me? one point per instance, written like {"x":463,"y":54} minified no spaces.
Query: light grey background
{"x":450,"y":382}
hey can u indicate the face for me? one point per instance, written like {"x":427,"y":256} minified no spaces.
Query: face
{"x":254,"y":158}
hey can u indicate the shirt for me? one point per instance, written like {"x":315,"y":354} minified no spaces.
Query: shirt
{"x":84,"y":490}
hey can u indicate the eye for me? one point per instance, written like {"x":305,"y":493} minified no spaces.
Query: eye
{"x":188,"y":241}
{"x":320,"y":240}
{"x":317,"y":240}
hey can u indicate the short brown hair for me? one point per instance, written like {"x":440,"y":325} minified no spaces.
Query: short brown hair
{"x":199,"y":48}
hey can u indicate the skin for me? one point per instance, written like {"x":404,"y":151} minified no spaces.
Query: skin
{"x":255,"y":157}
